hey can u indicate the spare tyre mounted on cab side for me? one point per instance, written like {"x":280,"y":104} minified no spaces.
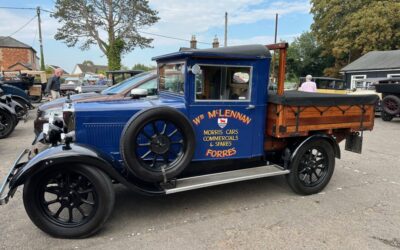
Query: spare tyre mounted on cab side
{"x":157,"y":144}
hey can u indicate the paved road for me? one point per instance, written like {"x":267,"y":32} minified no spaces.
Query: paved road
{"x":360,"y":209}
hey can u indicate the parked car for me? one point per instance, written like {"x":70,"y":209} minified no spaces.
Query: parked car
{"x":17,"y":94}
{"x":8,"y":116}
{"x":31,"y":82}
{"x":117,"y":76}
{"x":328,"y":85}
{"x":146,"y":80}
{"x":390,"y":90}
{"x":202,"y":119}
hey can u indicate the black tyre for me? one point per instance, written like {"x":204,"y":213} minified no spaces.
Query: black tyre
{"x":69,"y":202}
{"x":36,"y":99}
{"x":157,"y":142}
{"x":386,"y":117}
{"x":312,"y":167}
{"x":7,"y":123}
{"x":391,"y":104}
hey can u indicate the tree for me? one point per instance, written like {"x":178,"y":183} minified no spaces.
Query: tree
{"x":305,"y":57}
{"x":348,"y":29}
{"x":143,"y":67}
{"x":111,"y":24}
{"x":88,"y":62}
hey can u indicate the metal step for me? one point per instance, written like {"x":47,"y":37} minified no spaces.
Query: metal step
{"x":209,"y":180}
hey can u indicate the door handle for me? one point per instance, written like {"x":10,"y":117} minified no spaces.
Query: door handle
{"x":251,"y":106}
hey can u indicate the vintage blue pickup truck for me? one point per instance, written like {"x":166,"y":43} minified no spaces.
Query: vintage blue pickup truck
{"x":213,"y":122}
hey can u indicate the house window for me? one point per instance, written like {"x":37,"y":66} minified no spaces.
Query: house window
{"x":393,"y":75}
{"x":223,"y":83}
{"x":356,"y":83}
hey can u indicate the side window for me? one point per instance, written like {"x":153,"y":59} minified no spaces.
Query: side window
{"x":151,"y":86}
{"x":171,"y":77}
{"x":223,"y":83}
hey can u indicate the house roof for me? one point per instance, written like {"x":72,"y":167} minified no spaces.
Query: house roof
{"x":9,"y":42}
{"x":26,"y":65}
{"x":91,"y":68}
{"x":243,"y":51}
{"x":56,"y":67}
{"x":375,"y":60}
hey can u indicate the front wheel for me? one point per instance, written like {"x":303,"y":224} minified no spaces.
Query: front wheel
{"x":69,"y":202}
{"x":312,"y":167}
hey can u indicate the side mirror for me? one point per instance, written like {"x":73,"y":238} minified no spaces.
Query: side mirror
{"x":138,"y":93}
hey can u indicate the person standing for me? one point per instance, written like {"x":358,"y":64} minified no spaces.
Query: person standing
{"x":102,"y":80}
{"x":308,"y":85}
{"x":53,"y":84}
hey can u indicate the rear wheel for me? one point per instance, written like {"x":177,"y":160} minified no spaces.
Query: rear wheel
{"x":312,"y":167}
{"x":69,"y":202}
{"x":386,"y":117}
{"x":7,"y":124}
{"x":391,"y":104}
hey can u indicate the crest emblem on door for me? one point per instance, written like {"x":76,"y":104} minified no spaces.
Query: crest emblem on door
{"x":222,"y":122}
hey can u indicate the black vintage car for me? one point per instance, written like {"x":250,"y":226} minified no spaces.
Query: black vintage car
{"x":8,"y":115}
{"x":390,"y":89}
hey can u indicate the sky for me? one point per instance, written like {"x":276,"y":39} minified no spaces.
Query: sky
{"x":249,"y":22}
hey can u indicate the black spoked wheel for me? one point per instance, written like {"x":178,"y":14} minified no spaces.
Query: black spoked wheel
{"x":7,"y":124}
{"x":312,"y":167}
{"x":158,"y":144}
{"x":391,"y":104}
{"x":386,"y":117}
{"x":69,"y":202}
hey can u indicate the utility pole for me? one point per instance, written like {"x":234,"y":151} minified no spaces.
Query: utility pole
{"x":226,"y":30}
{"x":275,"y":40}
{"x":42,"y":67}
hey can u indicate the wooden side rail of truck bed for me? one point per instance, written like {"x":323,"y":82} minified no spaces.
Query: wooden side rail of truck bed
{"x":300,"y":113}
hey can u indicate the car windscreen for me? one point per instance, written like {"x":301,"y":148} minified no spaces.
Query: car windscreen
{"x":126,"y":84}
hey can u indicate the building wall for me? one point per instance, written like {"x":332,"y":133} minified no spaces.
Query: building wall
{"x":10,"y":56}
{"x":372,"y":74}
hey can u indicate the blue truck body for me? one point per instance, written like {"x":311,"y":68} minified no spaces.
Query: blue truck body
{"x":241,"y":136}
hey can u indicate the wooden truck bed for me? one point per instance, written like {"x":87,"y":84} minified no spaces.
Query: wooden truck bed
{"x":298,"y":113}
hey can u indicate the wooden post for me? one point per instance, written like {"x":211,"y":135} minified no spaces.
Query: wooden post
{"x":282,"y":47}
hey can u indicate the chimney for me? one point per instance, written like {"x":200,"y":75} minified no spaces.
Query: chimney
{"x":193,"y":42}
{"x":215,"y":43}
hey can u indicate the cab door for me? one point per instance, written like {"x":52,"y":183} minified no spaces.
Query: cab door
{"x":223,"y":109}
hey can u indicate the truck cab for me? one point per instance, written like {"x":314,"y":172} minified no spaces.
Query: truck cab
{"x":212,"y":123}
{"x":225,"y":97}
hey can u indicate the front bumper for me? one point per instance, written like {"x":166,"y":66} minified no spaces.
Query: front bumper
{"x":5,"y":192}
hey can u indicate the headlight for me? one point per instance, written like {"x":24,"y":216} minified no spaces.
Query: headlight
{"x":55,"y":112}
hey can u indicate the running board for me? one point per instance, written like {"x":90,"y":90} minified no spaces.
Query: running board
{"x":209,"y":180}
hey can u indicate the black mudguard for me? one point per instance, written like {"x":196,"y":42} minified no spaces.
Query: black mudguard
{"x":75,"y":153}
{"x":7,"y":108}
{"x":295,"y":148}
{"x":24,"y":100}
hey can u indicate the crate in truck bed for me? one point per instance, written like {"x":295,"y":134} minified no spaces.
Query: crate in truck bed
{"x":297,"y":113}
